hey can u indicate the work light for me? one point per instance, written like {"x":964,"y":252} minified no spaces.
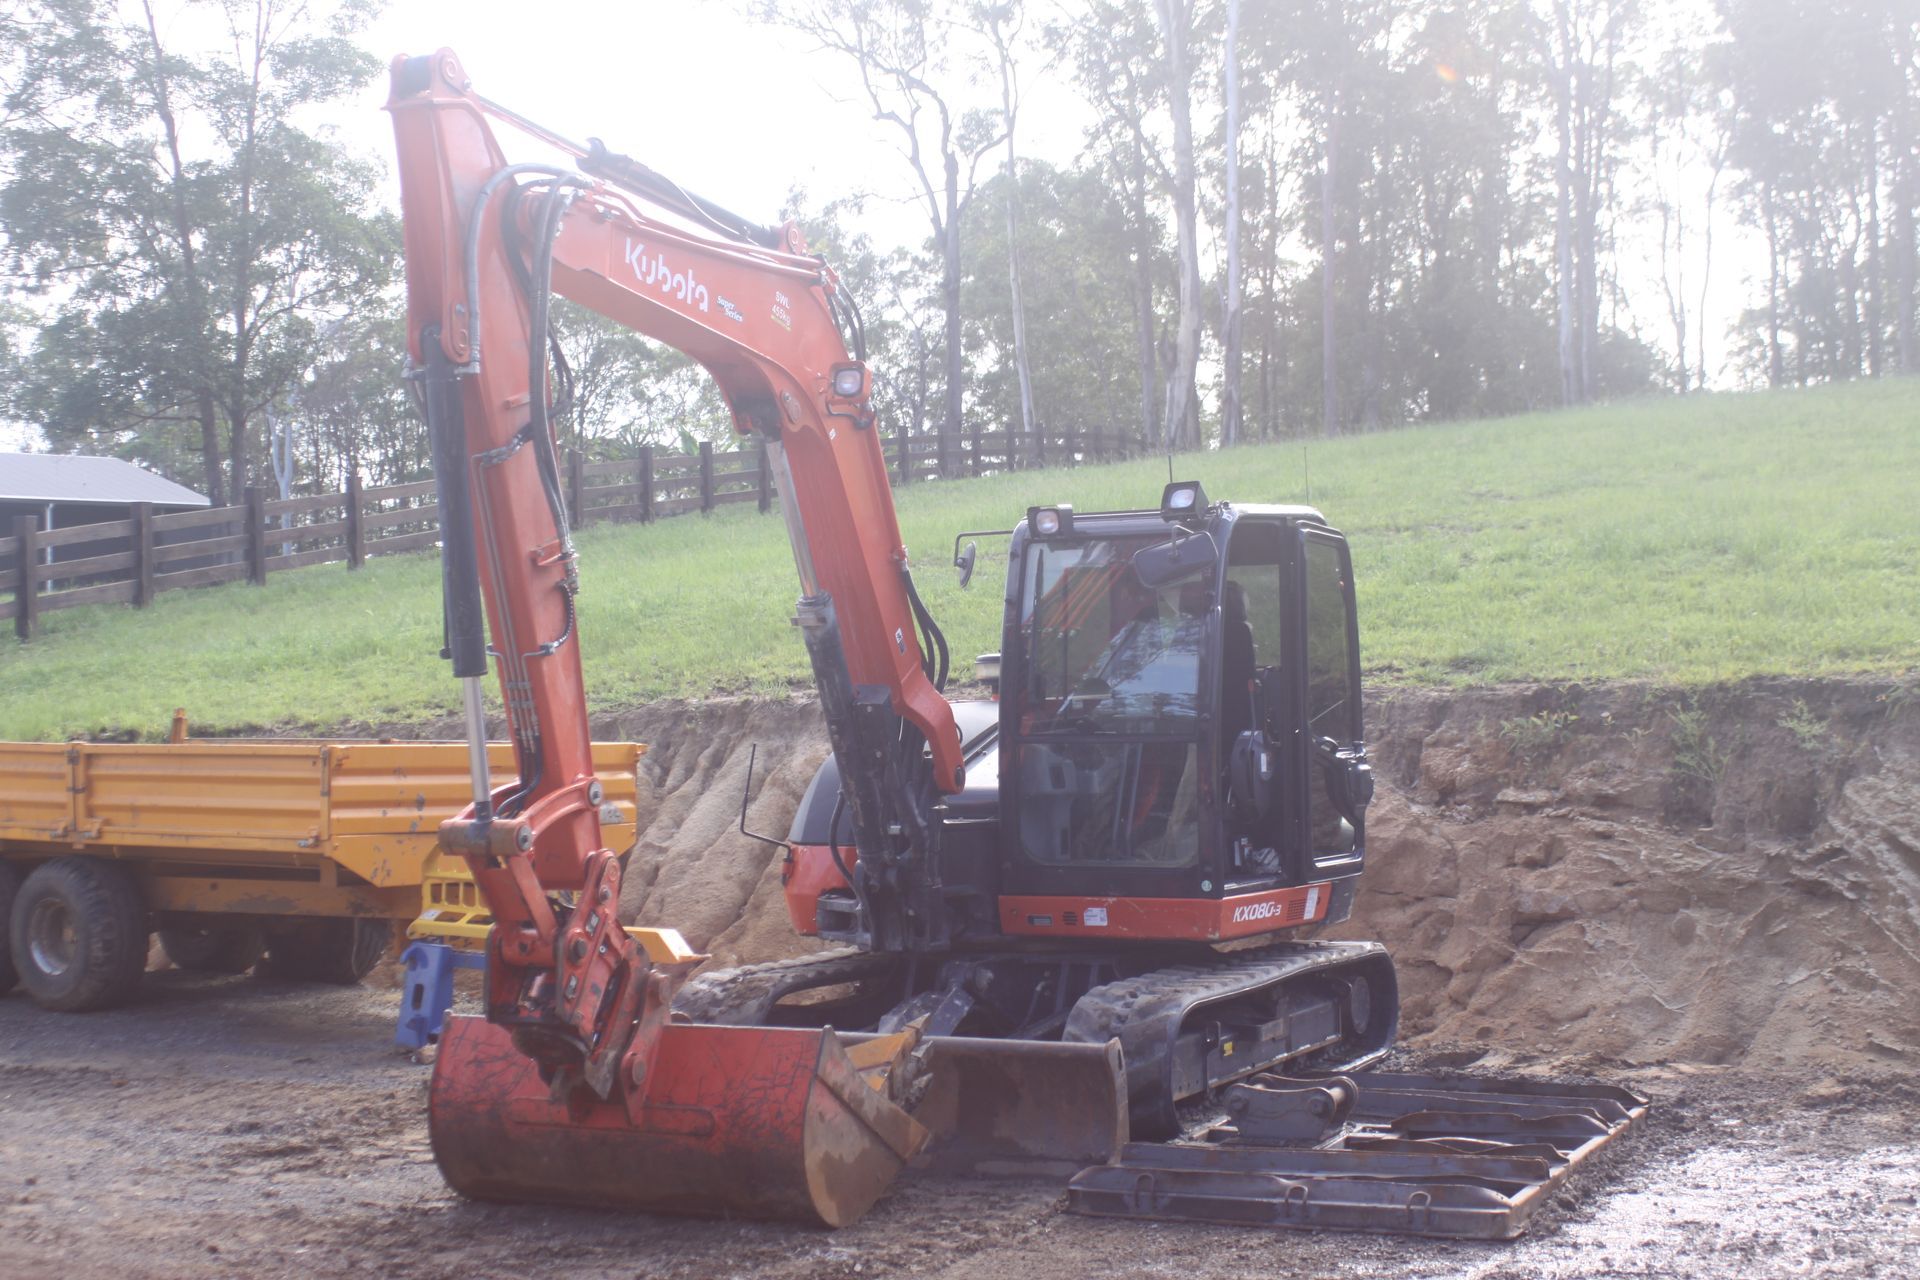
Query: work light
{"x":849,"y":381}
{"x":1050,"y":522}
{"x":1182,"y":498}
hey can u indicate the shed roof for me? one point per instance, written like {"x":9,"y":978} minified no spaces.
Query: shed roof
{"x":75,"y":477}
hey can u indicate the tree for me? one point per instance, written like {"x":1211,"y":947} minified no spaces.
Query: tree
{"x":915,"y":70}
{"x":1002,"y":23}
{"x":1182,"y":413}
{"x":1230,"y":320}
{"x":172,"y":203}
{"x":1116,"y":61}
{"x":1583,"y":46}
{"x":1073,"y":229}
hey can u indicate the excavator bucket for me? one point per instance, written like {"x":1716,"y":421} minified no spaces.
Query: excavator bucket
{"x":1020,"y":1108}
{"x":757,"y":1122}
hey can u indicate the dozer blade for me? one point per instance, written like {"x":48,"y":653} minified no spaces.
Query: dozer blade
{"x":757,"y":1122}
{"x":1020,"y":1108}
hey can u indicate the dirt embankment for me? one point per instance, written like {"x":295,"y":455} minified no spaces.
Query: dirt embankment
{"x":1730,"y":877}
{"x":1725,"y":876}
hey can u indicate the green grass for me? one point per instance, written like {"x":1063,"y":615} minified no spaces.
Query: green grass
{"x":1683,"y":541}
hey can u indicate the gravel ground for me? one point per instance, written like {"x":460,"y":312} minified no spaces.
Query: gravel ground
{"x":232,"y":1126}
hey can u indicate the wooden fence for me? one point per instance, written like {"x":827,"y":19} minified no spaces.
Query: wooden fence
{"x":130,"y":561}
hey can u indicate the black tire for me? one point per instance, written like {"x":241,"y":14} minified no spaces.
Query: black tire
{"x":9,"y":886}
{"x":230,"y":949}
{"x":78,"y":934}
{"x":341,"y":952}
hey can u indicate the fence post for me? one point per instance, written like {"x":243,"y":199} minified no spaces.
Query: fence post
{"x":256,"y":503}
{"x":1097,"y":452}
{"x":141,"y":544}
{"x":973,"y":467}
{"x":26,"y":593}
{"x":356,"y":532}
{"x":576,"y":487}
{"x":766,"y":478}
{"x":1039,"y":445}
{"x":706,"y":475}
{"x":1072,"y":441}
{"x":645,"y":480}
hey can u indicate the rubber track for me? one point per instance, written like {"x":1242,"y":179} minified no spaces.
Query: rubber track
{"x":1147,"y":1012}
{"x":1109,"y":1010}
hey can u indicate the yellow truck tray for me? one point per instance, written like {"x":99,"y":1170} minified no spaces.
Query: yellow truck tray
{"x":269,"y":827}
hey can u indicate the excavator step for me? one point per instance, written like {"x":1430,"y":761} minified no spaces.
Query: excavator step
{"x":1468,"y":1157}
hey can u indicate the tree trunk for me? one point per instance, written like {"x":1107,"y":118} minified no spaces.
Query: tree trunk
{"x":1143,"y":301}
{"x":1875,"y":279}
{"x":1329,"y":336}
{"x":1008,"y":111}
{"x":1903,"y":228}
{"x":1182,"y":422}
{"x":1563,"y":218}
{"x":950,"y":299}
{"x":1776,"y":370}
{"x":1706,"y":271}
{"x":1231,"y":321}
{"x":192,"y":288}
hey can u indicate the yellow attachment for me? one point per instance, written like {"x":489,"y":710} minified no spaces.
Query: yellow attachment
{"x":664,"y":946}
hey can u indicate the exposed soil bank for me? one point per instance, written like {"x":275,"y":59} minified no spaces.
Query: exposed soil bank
{"x":1724,"y":876}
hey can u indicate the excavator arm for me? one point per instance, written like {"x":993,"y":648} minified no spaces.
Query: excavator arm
{"x":576,"y":1005}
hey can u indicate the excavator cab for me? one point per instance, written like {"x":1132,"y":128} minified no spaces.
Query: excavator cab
{"x":1179,"y":720}
{"x":1176,"y":754}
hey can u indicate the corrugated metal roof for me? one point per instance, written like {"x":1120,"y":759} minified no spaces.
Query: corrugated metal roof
{"x":75,"y":477}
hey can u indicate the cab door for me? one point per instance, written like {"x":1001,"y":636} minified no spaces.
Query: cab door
{"x":1331,"y":752}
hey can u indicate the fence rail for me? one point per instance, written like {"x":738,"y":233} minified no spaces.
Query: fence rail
{"x":129,"y":561}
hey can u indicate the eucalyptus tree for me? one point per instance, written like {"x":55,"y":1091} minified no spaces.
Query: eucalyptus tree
{"x":918,"y":69}
{"x":175,"y":212}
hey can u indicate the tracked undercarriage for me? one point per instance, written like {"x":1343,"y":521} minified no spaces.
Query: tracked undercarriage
{"x":1185,"y":1027}
{"x":1250,"y":1070}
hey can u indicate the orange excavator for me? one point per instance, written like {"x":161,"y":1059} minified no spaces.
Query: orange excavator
{"x":1048,"y":899}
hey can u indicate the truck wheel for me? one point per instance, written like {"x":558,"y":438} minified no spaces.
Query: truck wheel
{"x":78,"y":934}
{"x":232,"y":949}
{"x":9,"y":885}
{"x":337,"y":951}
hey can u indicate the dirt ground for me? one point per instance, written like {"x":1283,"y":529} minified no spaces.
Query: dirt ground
{"x":232,"y":1126}
{"x":1712,"y":896}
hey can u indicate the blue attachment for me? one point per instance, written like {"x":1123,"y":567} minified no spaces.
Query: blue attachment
{"x":428,"y":991}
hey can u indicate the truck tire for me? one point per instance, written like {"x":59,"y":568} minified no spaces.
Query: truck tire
{"x":229,"y":949}
{"x":341,"y":952}
{"x":9,"y":885}
{"x":78,"y":934}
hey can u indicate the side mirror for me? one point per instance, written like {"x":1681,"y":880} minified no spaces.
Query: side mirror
{"x":1349,"y":777}
{"x":964,"y":563}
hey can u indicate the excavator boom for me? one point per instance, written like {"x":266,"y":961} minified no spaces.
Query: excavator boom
{"x":576,"y":1087}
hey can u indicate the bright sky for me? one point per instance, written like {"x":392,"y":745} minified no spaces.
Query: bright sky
{"x":736,"y":112}
{"x":741,"y":114}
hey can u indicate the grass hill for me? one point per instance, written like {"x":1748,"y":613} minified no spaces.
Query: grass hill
{"x":1686,"y":541}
